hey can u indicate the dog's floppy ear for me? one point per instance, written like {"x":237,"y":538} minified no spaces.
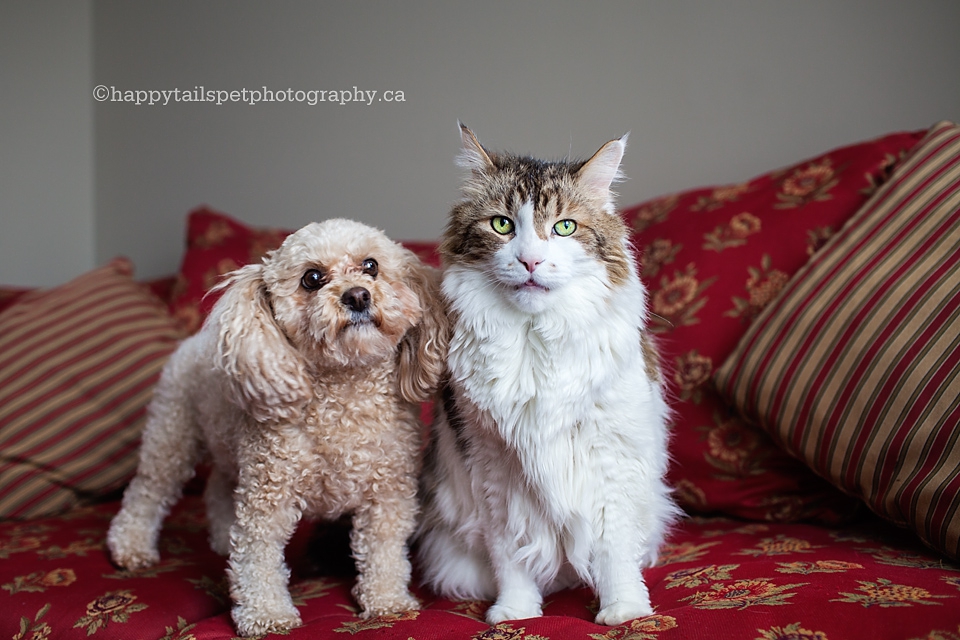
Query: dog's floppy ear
{"x":266,"y":376}
{"x":423,"y":350}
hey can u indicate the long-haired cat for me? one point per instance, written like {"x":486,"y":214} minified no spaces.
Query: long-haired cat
{"x":547,"y":459}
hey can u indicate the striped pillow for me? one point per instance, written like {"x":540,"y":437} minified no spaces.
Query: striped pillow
{"x":77,"y":368}
{"x":856,"y":368}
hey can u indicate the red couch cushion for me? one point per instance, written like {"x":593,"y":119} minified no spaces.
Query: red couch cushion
{"x":717,"y":578}
{"x":712,"y":259}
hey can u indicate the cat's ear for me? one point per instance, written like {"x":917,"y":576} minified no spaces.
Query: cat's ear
{"x":472,"y":154}
{"x":600,"y":171}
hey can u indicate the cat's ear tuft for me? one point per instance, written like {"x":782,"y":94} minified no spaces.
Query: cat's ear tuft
{"x":601,"y":170}
{"x":473,"y":156}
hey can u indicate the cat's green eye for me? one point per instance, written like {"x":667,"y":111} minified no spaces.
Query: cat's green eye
{"x":565,"y":227}
{"x":502,"y":225}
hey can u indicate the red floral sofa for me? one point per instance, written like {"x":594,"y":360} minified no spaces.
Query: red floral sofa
{"x":808,"y":318}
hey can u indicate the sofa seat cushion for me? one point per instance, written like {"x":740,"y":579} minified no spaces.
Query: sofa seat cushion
{"x":717,"y":578}
{"x":856,"y":369}
{"x":713,"y":258}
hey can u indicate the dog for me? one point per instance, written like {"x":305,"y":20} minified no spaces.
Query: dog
{"x":302,"y":386}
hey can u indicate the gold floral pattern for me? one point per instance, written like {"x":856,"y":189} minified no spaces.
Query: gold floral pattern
{"x":678,"y":300}
{"x":818,"y":566}
{"x":899,"y":558}
{"x":698,"y":576}
{"x":211,"y":277}
{"x":732,"y":447}
{"x":733,"y":234}
{"x":807,"y":184}
{"x":687,"y":492}
{"x":40,"y":581}
{"x":164,"y":566}
{"x":180,"y":632}
{"x":816,"y":238}
{"x":683,"y":552}
{"x":19,"y":544}
{"x":113,"y":606}
{"x":218,"y":232}
{"x":654,"y":211}
{"x":657,"y":254}
{"x":882,"y":173}
{"x":506,"y":631}
{"x":884,"y":593}
{"x":691,"y":372}
{"x":309,"y":589}
{"x":778,"y":546}
{"x":640,"y":629}
{"x":743,"y":594}
{"x":790,"y":632}
{"x":473,"y":609}
{"x":385,"y":621}
{"x":720,"y":196}
{"x":37,"y":630}
{"x":938,"y":634}
{"x":762,"y":287}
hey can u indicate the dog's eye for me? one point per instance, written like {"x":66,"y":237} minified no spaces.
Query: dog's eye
{"x":370,"y":267}
{"x":312,"y":280}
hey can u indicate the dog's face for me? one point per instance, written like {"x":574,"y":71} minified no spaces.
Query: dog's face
{"x":338,"y":292}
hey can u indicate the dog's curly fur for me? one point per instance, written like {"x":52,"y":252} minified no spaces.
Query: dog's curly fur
{"x":302,"y":387}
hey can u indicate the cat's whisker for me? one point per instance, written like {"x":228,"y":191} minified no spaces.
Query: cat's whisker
{"x":665,"y":321}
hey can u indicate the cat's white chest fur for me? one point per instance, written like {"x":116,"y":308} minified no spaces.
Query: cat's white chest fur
{"x":565,"y":392}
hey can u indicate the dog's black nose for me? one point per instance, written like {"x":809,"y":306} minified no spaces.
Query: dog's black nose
{"x":356,"y":299}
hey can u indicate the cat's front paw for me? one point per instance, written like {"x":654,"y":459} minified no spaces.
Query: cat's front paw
{"x":500,"y":612}
{"x":620,"y":612}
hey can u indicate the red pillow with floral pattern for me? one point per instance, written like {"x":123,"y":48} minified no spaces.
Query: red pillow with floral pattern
{"x":712,"y":259}
{"x":216,"y":244}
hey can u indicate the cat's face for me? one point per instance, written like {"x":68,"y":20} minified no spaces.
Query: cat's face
{"x":538,"y":229}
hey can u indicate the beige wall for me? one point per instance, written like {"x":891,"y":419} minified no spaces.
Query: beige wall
{"x":46,"y":141}
{"x":711,"y":92}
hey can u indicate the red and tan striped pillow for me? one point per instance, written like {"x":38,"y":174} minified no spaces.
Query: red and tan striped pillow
{"x":856,"y":368}
{"x":78,"y":364}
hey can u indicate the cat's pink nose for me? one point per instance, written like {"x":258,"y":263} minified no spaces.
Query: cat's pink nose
{"x":530,"y":263}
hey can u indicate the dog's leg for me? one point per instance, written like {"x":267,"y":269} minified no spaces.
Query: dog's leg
{"x":170,"y":450}
{"x":267,"y":512}
{"x":218,"y":496}
{"x":379,"y":537}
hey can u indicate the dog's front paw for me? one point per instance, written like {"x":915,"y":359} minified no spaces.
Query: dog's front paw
{"x":620,"y":612}
{"x":257,"y":621}
{"x":381,"y":606}
{"x":501,"y":611}
{"x":131,"y":550}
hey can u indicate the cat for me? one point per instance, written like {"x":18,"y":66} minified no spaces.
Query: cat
{"x":546,"y":462}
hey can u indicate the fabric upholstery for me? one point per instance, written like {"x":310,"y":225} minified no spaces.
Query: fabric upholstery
{"x":713,"y":258}
{"x":78,"y":364}
{"x":856,"y":370}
